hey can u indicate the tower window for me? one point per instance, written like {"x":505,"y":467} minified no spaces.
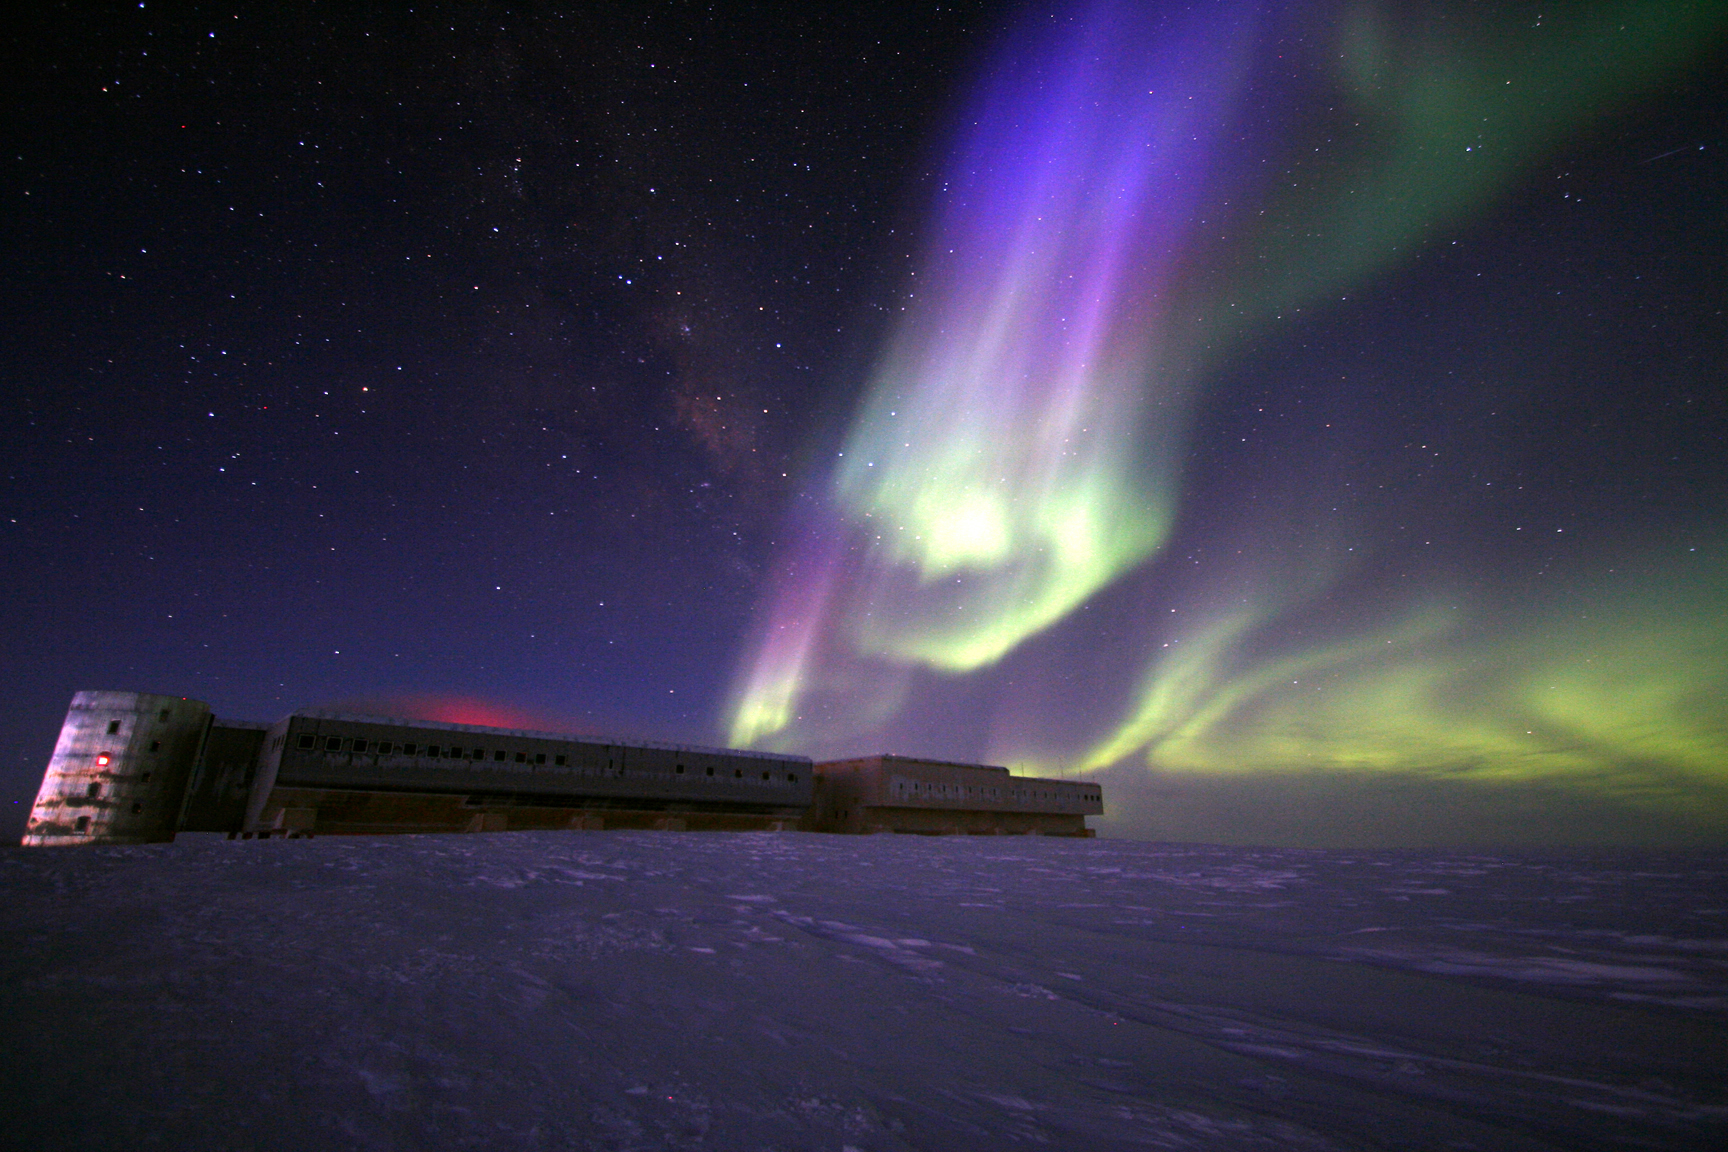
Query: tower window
{"x":521,"y":757}
{"x":82,"y":824}
{"x":479,"y":753}
{"x":679,"y":769}
{"x":155,"y":745}
{"x":359,"y":745}
{"x":539,"y":757}
{"x":432,"y":751}
{"x":144,"y":779}
{"x":454,"y":752}
{"x":737,"y":773}
{"x":560,"y":761}
{"x":113,"y":727}
{"x":384,"y":748}
{"x":708,"y":770}
{"x":102,"y":759}
{"x":307,"y":740}
{"x":93,"y":791}
{"x":137,"y":807}
{"x":332,"y":743}
{"x":162,"y":716}
{"x":500,"y":756}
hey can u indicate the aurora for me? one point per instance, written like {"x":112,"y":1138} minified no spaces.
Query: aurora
{"x":1135,"y":197}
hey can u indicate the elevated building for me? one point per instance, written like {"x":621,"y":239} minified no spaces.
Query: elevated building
{"x":936,"y":797}
{"x":329,"y":772}
{"x":135,"y":768}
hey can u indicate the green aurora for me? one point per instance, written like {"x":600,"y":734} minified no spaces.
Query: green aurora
{"x":1022,"y":444}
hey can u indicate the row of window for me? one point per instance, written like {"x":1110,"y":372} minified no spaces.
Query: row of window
{"x":945,"y":791}
{"x":738,"y":773}
{"x":309,"y":742}
{"x":968,"y":791}
{"x":114,"y":725}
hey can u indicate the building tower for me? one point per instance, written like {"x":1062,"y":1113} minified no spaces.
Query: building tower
{"x":118,"y":774}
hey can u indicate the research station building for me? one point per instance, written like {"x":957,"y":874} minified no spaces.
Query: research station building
{"x":137,"y":768}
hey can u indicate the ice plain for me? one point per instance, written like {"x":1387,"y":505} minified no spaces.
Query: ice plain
{"x":621,"y":990}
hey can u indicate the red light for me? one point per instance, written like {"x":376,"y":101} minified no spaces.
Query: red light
{"x":101,"y":759}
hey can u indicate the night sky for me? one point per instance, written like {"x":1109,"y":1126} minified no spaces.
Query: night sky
{"x":1308,"y":419}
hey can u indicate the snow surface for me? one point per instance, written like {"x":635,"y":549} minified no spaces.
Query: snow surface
{"x":618,"y":990}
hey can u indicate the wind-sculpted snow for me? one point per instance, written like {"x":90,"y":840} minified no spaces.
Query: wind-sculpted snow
{"x":666,"y":990}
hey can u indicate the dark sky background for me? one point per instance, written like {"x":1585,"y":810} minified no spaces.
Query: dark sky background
{"x":470,"y":362}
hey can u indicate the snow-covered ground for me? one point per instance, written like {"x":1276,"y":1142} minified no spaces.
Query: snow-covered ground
{"x":615,"y":990}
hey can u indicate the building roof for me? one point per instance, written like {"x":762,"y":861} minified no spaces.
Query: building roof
{"x":889,"y":758}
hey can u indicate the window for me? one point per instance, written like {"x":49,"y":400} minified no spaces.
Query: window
{"x":359,"y":745}
{"x":162,"y":716}
{"x":307,"y":740}
{"x":679,"y":769}
{"x":764,"y":775}
{"x":500,"y":756}
{"x":137,"y":807}
{"x":454,"y":752}
{"x":102,"y":759}
{"x":144,"y":779}
{"x":737,"y":773}
{"x":709,"y":770}
{"x":521,"y":757}
{"x":410,"y":749}
{"x":539,"y":757}
{"x":332,"y":743}
{"x":93,"y":791}
{"x":479,"y":753}
{"x":155,"y":745}
{"x":113,"y":727}
{"x":83,"y":824}
{"x":433,"y":751}
{"x":384,"y":748}
{"x":791,"y":778}
{"x":560,"y":760}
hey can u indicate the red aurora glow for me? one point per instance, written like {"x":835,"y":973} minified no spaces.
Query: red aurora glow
{"x":462,"y":710}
